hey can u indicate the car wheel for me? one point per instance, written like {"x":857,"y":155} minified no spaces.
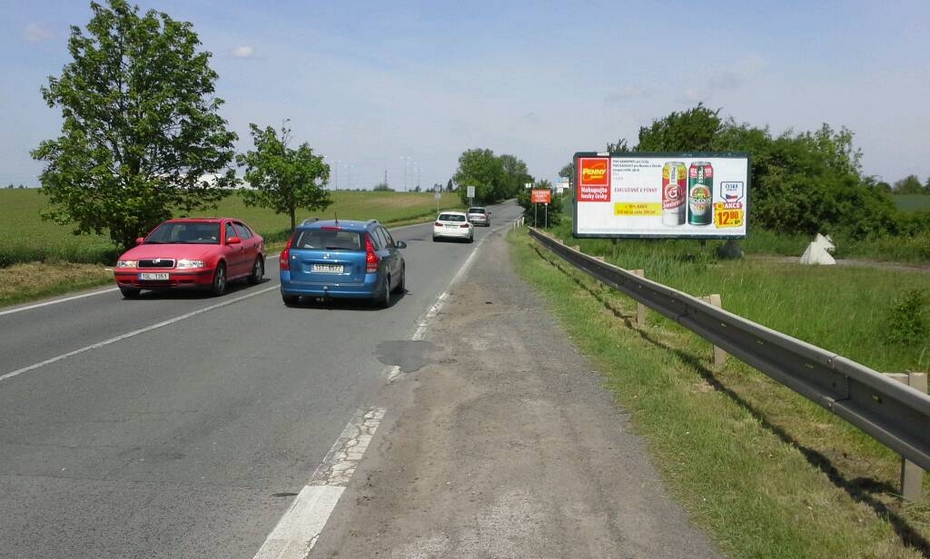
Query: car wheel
{"x":435,"y":239}
{"x":290,"y":300}
{"x":219,"y":280}
{"x":258,"y":271}
{"x":384,"y":298}
{"x":402,"y":284}
{"x":129,"y":292}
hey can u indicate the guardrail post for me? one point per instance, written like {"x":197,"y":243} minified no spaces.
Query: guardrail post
{"x":912,"y":475}
{"x":640,"y":308}
{"x":720,"y":356}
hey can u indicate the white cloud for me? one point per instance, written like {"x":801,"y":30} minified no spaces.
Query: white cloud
{"x":244,"y":51}
{"x":35,"y":33}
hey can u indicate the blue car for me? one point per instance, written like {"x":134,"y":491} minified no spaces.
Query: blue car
{"x":336,"y":259}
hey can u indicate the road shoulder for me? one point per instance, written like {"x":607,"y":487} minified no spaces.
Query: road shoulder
{"x":503,"y":442}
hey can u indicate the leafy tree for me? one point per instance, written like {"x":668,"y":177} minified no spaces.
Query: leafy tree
{"x":141,"y":137}
{"x":620,"y":147}
{"x":385,"y":187}
{"x":284,"y":179}
{"x":693,"y":130}
{"x":909,"y":185}
{"x":483,"y":170}
{"x":516,"y":177}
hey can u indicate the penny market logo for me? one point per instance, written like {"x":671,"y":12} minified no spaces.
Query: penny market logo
{"x":593,"y":171}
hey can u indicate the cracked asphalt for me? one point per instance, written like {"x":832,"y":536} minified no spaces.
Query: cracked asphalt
{"x":499,"y":440}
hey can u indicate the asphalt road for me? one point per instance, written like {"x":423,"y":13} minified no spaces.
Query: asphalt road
{"x":181,"y":425}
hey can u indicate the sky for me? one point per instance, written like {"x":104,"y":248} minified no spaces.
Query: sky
{"x":399,"y":90}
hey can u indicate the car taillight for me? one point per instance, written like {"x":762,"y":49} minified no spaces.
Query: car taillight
{"x":465,"y":225}
{"x":438,"y":224}
{"x":371,"y":259}
{"x":284,"y":259}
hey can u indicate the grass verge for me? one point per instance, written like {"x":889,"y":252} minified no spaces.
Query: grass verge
{"x":763,"y":471}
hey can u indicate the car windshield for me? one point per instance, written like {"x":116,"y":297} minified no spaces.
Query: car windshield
{"x":198,"y":233}
{"x":451,"y":217}
{"x":328,"y":240}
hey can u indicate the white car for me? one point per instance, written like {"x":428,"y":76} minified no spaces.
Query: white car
{"x":453,"y":225}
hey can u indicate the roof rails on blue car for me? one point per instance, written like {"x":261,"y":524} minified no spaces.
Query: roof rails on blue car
{"x":309,"y":220}
{"x":371,"y":221}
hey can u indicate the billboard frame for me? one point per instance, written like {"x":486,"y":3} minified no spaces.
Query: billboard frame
{"x":599,"y":186}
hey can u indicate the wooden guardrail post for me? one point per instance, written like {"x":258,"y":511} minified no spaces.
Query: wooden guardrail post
{"x":912,"y":475}
{"x":720,"y":356}
{"x":640,"y":308}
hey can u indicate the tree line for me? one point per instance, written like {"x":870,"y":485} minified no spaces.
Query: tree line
{"x":142,"y":140}
{"x":801,"y":182}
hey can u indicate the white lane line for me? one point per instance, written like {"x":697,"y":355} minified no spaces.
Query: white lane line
{"x":56,"y":301}
{"x":133,"y":333}
{"x":424,"y":322}
{"x":299,"y":529}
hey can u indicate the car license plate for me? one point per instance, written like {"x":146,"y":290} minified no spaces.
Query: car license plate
{"x":327,"y":268}
{"x":145,"y":276}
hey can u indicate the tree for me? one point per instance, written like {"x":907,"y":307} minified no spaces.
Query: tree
{"x":483,"y":170}
{"x":909,"y":185}
{"x":141,"y":137}
{"x":385,"y":187}
{"x":516,"y":177}
{"x":284,"y":179}
{"x":692,"y":130}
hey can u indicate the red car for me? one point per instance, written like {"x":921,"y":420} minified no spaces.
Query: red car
{"x":200,"y":253}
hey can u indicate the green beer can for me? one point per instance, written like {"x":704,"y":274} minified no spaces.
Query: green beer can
{"x":700,"y":193}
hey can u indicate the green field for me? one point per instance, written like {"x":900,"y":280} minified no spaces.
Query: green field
{"x":912,"y":202}
{"x":25,"y":237}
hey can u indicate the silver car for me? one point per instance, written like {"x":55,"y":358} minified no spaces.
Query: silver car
{"x":479,"y":216}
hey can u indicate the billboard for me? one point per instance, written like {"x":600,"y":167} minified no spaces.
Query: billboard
{"x":661,"y":195}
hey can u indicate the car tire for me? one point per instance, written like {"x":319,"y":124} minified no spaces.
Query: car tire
{"x":219,"y":280}
{"x":290,"y":300}
{"x":435,"y":239}
{"x":258,"y":271}
{"x":129,"y":292}
{"x":384,"y":297}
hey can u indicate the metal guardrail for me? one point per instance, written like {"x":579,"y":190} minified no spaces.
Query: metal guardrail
{"x":896,"y":415}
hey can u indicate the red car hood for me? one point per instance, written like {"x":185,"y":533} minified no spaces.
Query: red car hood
{"x":174,"y":251}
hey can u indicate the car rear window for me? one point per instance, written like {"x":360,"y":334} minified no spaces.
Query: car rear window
{"x":476,"y":210}
{"x":324,"y":239}
{"x":451,"y":217}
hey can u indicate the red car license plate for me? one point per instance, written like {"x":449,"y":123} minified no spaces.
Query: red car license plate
{"x":152,"y":276}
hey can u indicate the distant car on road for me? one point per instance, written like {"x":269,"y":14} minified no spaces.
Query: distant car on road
{"x":479,"y":216}
{"x":453,"y":225}
{"x":197,"y":253}
{"x":342,"y":259}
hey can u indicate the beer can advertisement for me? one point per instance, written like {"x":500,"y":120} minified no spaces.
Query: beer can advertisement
{"x":661,"y":195}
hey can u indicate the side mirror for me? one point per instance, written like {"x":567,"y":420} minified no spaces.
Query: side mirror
{"x":139,"y":240}
{"x":400,"y":244}
{"x":234,"y":241}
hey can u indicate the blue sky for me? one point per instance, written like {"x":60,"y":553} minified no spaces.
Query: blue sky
{"x":403,"y":88}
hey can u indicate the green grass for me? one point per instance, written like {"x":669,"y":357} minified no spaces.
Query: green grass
{"x":912,"y":202}
{"x":764,"y":471}
{"x":25,"y":237}
{"x":847,"y":310}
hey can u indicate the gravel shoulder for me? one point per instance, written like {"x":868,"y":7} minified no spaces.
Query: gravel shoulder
{"x":500,"y":441}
